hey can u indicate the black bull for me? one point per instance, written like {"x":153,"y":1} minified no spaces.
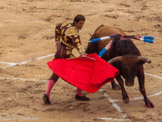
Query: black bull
{"x":125,"y":56}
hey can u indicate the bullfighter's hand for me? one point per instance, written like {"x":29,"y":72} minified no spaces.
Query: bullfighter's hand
{"x":83,"y":55}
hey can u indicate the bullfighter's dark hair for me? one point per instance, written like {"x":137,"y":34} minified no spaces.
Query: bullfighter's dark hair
{"x":78,"y":18}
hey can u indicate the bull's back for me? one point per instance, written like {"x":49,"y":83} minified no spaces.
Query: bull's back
{"x":124,"y":47}
{"x":107,"y":31}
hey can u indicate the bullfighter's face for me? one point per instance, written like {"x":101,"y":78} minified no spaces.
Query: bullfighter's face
{"x":79,"y":24}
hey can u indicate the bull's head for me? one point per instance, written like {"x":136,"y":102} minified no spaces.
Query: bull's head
{"x":129,"y":66}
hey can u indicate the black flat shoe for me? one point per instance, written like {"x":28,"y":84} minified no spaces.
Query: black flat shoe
{"x":83,"y":98}
{"x":46,"y":99}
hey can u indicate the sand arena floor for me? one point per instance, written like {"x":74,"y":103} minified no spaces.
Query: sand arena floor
{"x":27,"y":43}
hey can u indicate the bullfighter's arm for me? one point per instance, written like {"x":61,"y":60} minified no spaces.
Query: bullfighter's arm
{"x":77,"y":43}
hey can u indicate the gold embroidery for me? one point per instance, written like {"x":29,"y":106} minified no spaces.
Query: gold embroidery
{"x":67,"y":44}
{"x":76,"y":36}
{"x":65,"y":38}
{"x":57,"y":30}
{"x":57,"y":38}
{"x":68,"y":48}
{"x":80,"y":48}
{"x":65,"y":23}
{"x":71,"y":31}
{"x":78,"y":45}
{"x":62,"y":31}
{"x":69,"y":25}
{"x":71,"y":56}
{"x":68,"y":52}
{"x":76,"y":40}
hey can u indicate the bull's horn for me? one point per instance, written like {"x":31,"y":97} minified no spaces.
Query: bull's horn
{"x":115,"y":59}
{"x":144,"y":59}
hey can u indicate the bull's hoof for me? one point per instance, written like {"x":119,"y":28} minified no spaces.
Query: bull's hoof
{"x":150,"y":105}
{"x":126,"y":101}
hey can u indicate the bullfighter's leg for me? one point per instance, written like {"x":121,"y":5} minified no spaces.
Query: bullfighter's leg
{"x":115,"y":86}
{"x":51,"y":82}
{"x":79,"y":95}
{"x":124,"y":93}
{"x":141,"y":80}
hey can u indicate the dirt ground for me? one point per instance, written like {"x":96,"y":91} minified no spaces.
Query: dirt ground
{"x":27,"y":34}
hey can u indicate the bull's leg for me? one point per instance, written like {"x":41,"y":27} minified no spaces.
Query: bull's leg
{"x":115,"y":86}
{"x":124,"y":93}
{"x":141,"y":80}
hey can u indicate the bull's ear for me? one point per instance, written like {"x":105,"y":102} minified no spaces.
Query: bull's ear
{"x":115,"y":59}
{"x":142,"y":60}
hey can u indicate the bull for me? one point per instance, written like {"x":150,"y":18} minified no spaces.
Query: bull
{"x":125,"y":56}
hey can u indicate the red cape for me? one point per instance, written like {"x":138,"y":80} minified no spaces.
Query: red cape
{"x":85,"y":73}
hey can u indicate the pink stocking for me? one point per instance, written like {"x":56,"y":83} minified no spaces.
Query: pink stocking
{"x":49,"y":87}
{"x":79,"y":92}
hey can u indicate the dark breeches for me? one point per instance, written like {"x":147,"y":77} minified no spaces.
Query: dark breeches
{"x":60,"y":54}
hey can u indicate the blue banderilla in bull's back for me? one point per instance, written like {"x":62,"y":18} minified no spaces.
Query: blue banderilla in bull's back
{"x":148,"y":39}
